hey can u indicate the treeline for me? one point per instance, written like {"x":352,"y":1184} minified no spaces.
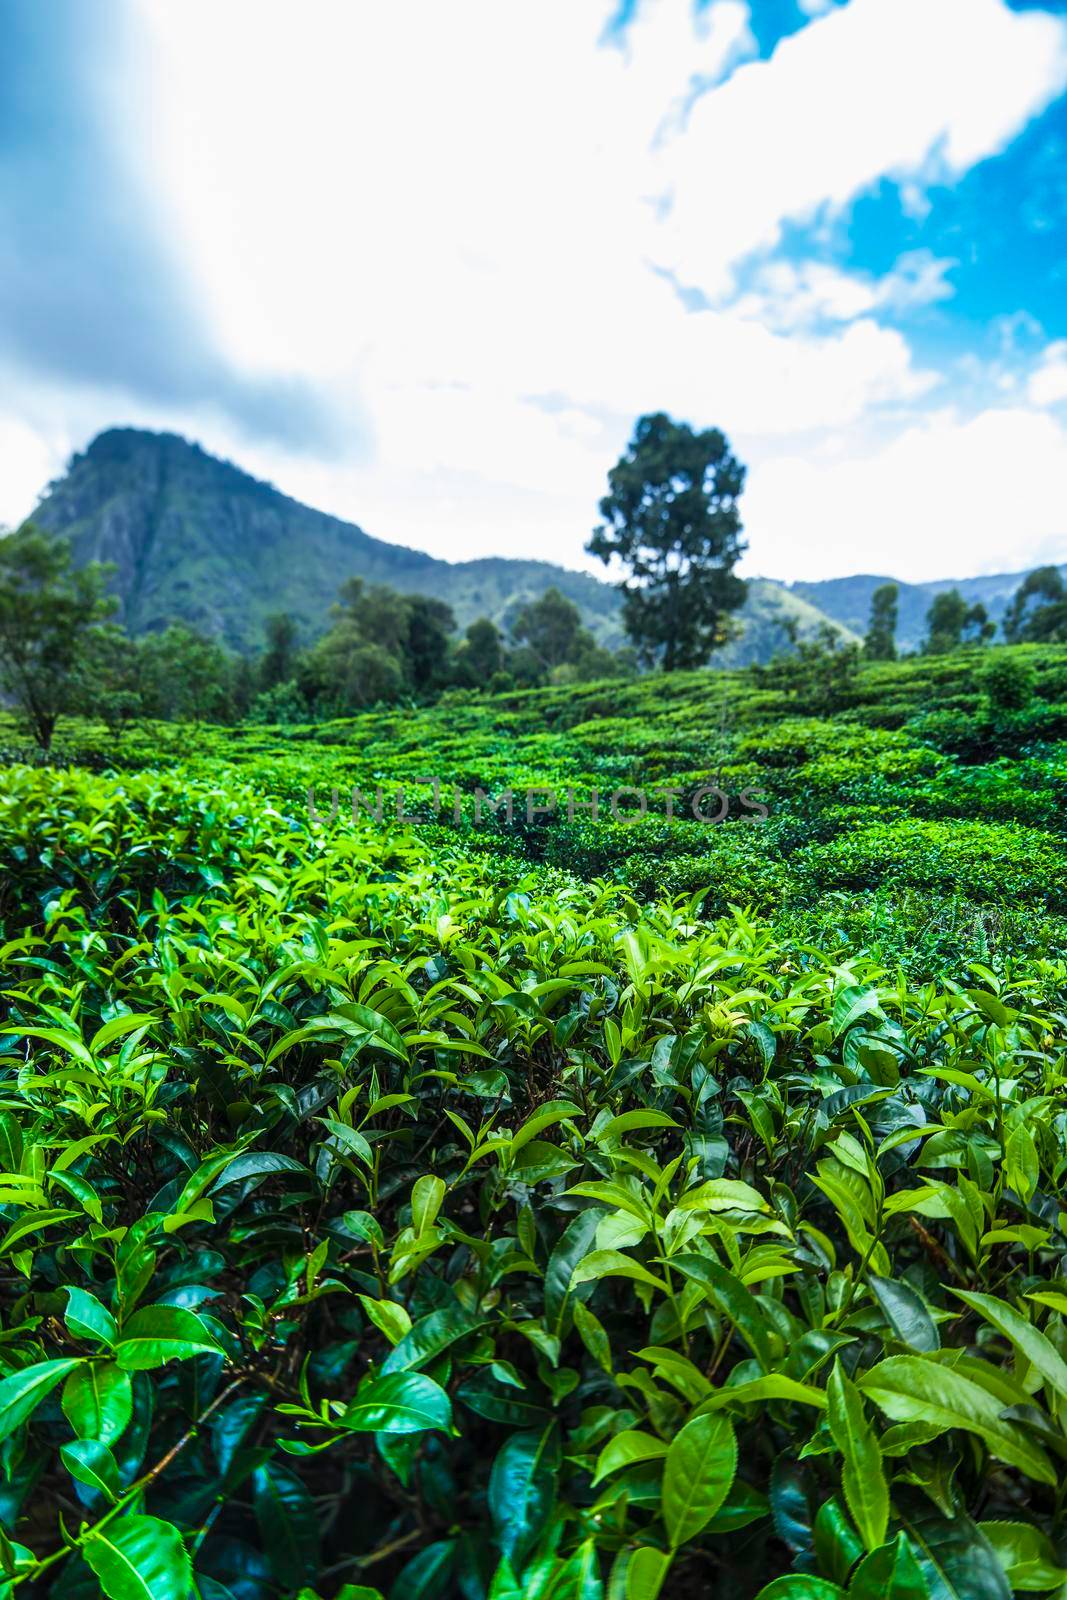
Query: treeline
{"x":1037,"y":615}
{"x":63,"y":654}
{"x":388,"y":648}
{"x":671,"y":528}
{"x":824,"y":666}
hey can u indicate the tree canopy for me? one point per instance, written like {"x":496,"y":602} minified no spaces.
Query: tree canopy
{"x":881,"y":643}
{"x":1038,"y":610}
{"x":671,"y":519}
{"x":48,"y":609}
{"x":951,"y":622}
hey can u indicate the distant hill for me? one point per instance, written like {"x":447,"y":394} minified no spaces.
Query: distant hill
{"x":848,"y":600}
{"x":195,"y":539}
{"x":768,"y":607}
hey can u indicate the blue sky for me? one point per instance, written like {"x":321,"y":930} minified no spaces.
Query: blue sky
{"x":424,"y":264}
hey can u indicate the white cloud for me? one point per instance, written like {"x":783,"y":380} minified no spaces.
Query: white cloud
{"x":786,"y":294}
{"x":449,"y":219}
{"x":1048,"y":381}
{"x":948,"y":497}
{"x":916,"y":90}
{"x":28,"y":459}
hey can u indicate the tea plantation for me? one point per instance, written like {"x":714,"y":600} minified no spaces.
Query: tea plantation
{"x":544,"y":1209}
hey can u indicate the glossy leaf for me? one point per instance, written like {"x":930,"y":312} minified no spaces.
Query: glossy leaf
{"x":862,"y":1478}
{"x":911,"y":1389}
{"x":700,"y":1467}
{"x":398,"y":1402}
{"x":23,"y":1391}
{"x":522,"y":1488}
{"x":98,"y":1401}
{"x":140,"y":1558}
{"x":158,"y":1334}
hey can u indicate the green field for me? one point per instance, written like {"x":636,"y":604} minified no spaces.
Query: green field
{"x":575,"y":1210}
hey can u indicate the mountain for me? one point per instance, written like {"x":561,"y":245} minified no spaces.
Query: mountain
{"x":195,"y":539}
{"x":768,"y":606}
{"x":848,"y":600}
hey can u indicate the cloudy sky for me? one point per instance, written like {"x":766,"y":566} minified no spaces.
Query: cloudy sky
{"x":423,"y":262}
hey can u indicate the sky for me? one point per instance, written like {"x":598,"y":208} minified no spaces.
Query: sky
{"x":423,"y":264}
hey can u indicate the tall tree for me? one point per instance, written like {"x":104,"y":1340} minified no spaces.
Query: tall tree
{"x":278,"y":662}
{"x":344,"y":674}
{"x":410,"y":634}
{"x":1044,"y":622}
{"x":951,"y":622}
{"x":480,"y":655}
{"x":376,"y":615}
{"x":671,"y":519}
{"x":110,"y":680}
{"x":428,"y":647}
{"x":185,"y":676}
{"x":881,"y":641}
{"x":551,"y":627}
{"x":48,"y":609}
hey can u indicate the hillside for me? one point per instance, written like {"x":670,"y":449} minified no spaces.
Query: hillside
{"x":848,"y":600}
{"x":196,"y":539}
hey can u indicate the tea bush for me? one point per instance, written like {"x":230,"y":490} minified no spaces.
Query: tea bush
{"x":429,"y":1210}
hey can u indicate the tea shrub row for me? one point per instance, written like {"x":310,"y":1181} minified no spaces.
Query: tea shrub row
{"x":390,"y":1211}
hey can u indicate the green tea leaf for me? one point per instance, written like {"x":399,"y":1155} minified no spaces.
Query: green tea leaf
{"x":140,"y":1558}
{"x":627,"y":1447}
{"x":92,"y":1464}
{"x":700,"y":1467}
{"x":388,"y":1315}
{"x":88,"y":1319}
{"x":398,"y":1402}
{"x":1026,"y":1554}
{"x":158,"y":1334}
{"x":98,"y":1401}
{"x":801,"y":1586}
{"x":288,"y":1525}
{"x":522,"y":1490}
{"x":913,"y":1389}
{"x":426,"y":1198}
{"x":909,"y":1319}
{"x":1028,"y":1340}
{"x":23,"y":1391}
{"x":863,"y":1478}
{"x":889,"y":1573}
{"x":645,"y":1573}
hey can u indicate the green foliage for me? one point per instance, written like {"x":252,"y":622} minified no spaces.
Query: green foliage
{"x":110,"y":680}
{"x":278,"y":662}
{"x":480,"y":657}
{"x":385,"y":647}
{"x":880,"y":643}
{"x":415,"y":1209}
{"x":555,"y":647}
{"x":1045,"y":622}
{"x":185,"y":676}
{"x":49,"y":612}
{"x":671,"y":520}
{"x":951,"y":622}
{"x":552,"y":628}
{"x":823,"y":667}
{"x":1009,"y":682}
